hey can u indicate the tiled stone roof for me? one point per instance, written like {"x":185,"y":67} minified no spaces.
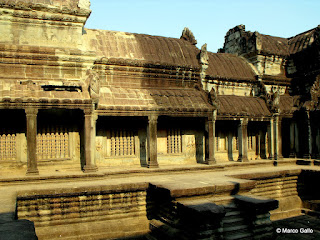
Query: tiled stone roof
{"x":230,"y":67}
{"x":141,"y":47}
{"x":274,"y":45}
{"x":173,"y":100}
{"x":231,"y":105}
{"x":302,"y":41}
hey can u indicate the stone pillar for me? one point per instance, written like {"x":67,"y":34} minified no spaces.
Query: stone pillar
{"x":258,"y":146}
{"x":277,"y":138}
{"x":308,"y":148}
{"x":292,"y":147}
{"x":271,"y":139}
{"x":296,"y":138}
{"x":89,"y":140}
{"x":152,"y":141}
{"x":31,"y":115}
{"x":243,"y":140}
{"x":230,"y":146}
{"x":212,"y":139}
{"x":263,"y":150}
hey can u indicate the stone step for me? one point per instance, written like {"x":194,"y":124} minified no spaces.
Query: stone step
{"x":232,"y":213}
{"x":232,"y":220}
{"x":238,"y":236}
{"x":234,"y":228}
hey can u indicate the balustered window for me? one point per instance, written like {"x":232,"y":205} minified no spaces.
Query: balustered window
{"x":122,"y":142}
{"x":8,"y":149}
{"x":53,"y":143}
{"x":174,"y":141}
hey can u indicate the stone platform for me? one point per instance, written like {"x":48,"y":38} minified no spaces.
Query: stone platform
{"x":217,"y":184}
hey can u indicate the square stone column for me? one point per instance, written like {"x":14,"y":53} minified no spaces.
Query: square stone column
{"x":211,"y":122}
{"x":258,"y":146}
{"x":271,"y":139}
{"x":277,"y":138}
{"x":31,"y":116}
{"x":89,"y":140}
{"x":152,"y":141}
{"x":243,"y":140}
{"x":263,"y":150}
{"x":230,"y":146}
{"x":308,"y":149}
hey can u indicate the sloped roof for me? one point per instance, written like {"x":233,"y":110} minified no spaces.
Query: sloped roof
{"x":302,"y":41}
{"x":274,"y":45}
{"x":231,"y":105}
{"x":173,"y":100}
{"x":141,"y":47}
{"x":230,"y":67}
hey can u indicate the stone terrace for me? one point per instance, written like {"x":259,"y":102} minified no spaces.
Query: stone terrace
{"x":183,"y":182}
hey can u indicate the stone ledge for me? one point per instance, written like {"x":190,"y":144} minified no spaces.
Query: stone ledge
{"x":77,"y":191}
{"x":256,"y":204}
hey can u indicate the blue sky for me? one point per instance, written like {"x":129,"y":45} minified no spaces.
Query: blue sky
{"x":209,"y":20}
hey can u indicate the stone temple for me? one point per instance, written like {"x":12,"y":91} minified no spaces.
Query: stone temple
{"x":77,"y":99}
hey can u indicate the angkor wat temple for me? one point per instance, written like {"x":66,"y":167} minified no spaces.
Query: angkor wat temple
{"x":89,"y":98}
{"x":72,"y":97}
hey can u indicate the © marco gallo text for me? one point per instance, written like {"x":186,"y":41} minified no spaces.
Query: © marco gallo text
{"x":294,"y":230}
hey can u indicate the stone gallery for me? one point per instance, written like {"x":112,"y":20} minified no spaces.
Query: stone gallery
{"x":72,"y":97}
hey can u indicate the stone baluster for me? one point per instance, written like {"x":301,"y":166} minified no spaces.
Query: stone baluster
{"x":89,"y":140}
{"x":243,"y":140}
{"x":31,"y":116}
{"x":152,"y":141}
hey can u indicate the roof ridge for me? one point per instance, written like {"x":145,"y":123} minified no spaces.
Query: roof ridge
{"x":302,"y":33}
{"x":140,"y":34}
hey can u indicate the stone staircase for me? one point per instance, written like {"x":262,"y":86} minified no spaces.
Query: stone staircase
{"x":226,"y":216}
{"x":234,"y":225}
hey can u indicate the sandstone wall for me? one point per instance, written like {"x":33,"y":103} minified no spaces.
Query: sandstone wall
{"x":95,"y":212}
